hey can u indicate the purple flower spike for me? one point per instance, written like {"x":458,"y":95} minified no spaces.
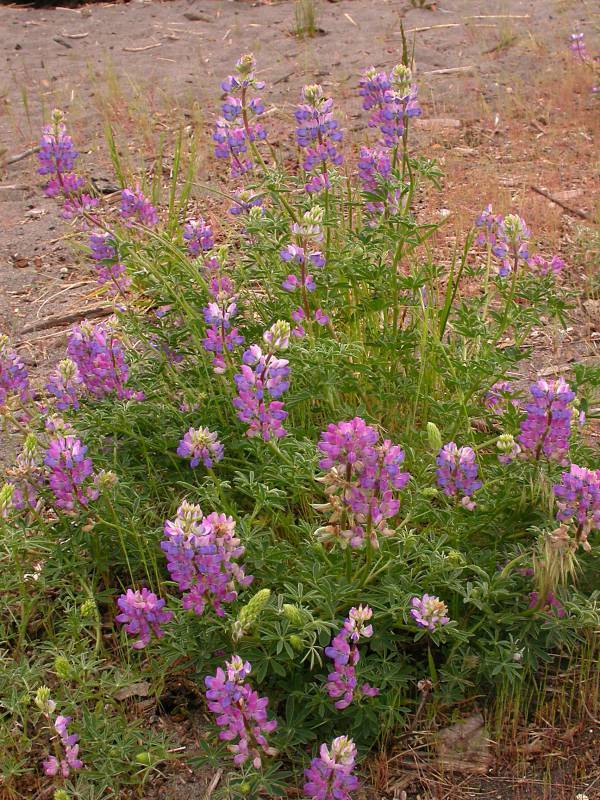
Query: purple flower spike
{"x":329,"y":776}
{"x":343,"y":650}
{"x":547,"y":425}
{"x":578,"y":500}
{"x":64,"y":384}
{"x":457,"y":472}
{"x":100,"y":359}
{"x":429,"y":612}
{"x":240,"y":713}
{"x":362,"y":481}
{"x":70,"y":751}
{"x":200,"y":444}
{"x":392,"y":99}
{"x":512,"y":243}
{"x":499,"y":397}
{"x":134,"y":205}
{"x":238,"y":127}
{"x":69,"y":469}
{"x":14,"y":378}
{"x":142,"y":613}
{"x":201,"y":558}
{"x":262,"y":376}
{"x":319,"y":134}
{"x":555,"y":266}
{"x":199,"y":236}
{"x":577,"y":46}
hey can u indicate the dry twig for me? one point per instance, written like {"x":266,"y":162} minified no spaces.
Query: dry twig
{"x":576,"y":211}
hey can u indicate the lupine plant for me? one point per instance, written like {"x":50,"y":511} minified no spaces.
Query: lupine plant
{"x":295,"y":468}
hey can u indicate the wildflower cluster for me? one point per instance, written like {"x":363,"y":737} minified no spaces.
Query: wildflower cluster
{"x":457,"y":473}
{"x":343,"y":650}
{"x":221,"y":336}
{"x":319,"y":135}
{"x":98,"y":354}
{"x":329,"y":776}
{"x":201,"y":558}
{"x":200,"y":444}
{"x":392,"y":99}
{"x":303,"y":255}
{"x":578,"y":497}
{"x":56,"y":157}
{"x":263,"y":376}
{"x":14,"y":378}
{"x":135,"y":206}
{"x":142,"y":614}
{"x":238,"y":129}
{"x":66,"y":757}
{"x":69,"y":471}
{"x":546,"y":428}
{"x":362,"y":480}
{"x":429,"y":612}
{"x":240,"y":712}
{"x":110,"y":271}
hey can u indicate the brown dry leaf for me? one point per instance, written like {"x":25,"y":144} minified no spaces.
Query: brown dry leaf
{"x":464,"y":747}
{"x":141,"y":689}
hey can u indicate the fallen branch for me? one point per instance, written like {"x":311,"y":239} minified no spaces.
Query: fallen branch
{"x":67,"y":319}
{"x":575,"y":211}
{"x":21,"y":156}
{"x":432,"y":27}
{"x":141,"y":49}
{"x":448,"y":71}
{"x":213,"y":785}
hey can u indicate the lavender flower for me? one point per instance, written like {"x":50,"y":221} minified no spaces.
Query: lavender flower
{"x":545,"y":267}
{"x":57,"y":154}
{"x":318,"y":133}
{"x":262,"y":376}
{"x":53,"y":765}
{"x":546,"y":427}
{"x":512,"y":243}
{"x":200,"y":444}
{"x":303,"y":255}
{"x":237,"y":129}
{"x":199,"y":236}
{"x":201,"y":558}
{"x":552,"y":604}
{"x":142,"y":613}
{"x":457,"y":472}
{"x":64,"y":384}
{"x":577,"y":46}
{"x":361,"y":484}
{"x":329,"y":776}
{"x":110,"y":271}
{"x":429,"y":612}
{"x":487,"y":223}
{"x":578,"y":496}
{"x":134,"y":204}
{"x":26,"y":476}
{"x":240,"y":712}
{"x":243,"y":201}
{"x":14,"y":378}
{"x":100,"y":359}
{"x":374,"y":171}
{"x":343,"y":650}
{"x":392,"y":99}
{"x":499,"y":397}
{"x":221,"y":337}
{"x":68,"y":471}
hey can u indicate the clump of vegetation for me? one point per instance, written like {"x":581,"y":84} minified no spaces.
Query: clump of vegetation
{"x":293,"y":467}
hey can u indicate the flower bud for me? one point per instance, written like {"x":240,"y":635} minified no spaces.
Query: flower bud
{"x":43,"y":700}
{"x":144,"y":758}
{"x":296,"y":641}
{"x":246,"y":64}
{"x":250,"y":613}
{"x":434,"y":437}
{"x":60,"y":794}
{"x":6,"y":495}
{"x":278,"y":335}
{"x":429,"y":491}
{"x":105,"y":479}
{"x":293,"y":614}
{"x":62,"y":667}
{"x":88,"y":608}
